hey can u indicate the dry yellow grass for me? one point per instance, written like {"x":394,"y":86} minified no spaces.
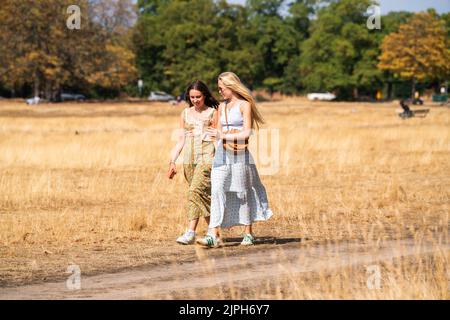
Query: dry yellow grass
{"x":85,"y":184}
{"x":401,"y":279}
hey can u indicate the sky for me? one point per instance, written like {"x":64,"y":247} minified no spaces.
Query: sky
{"x":441,"y":6}
{"x":386,"y":6}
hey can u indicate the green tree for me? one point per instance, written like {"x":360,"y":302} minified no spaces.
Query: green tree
{"x":235,"y":40}
{"x":149,"y":43}
{"x":175,"y":48}
{"x":276,"y":41}
{"x":299,"y":18}
{"x":339,"y":53}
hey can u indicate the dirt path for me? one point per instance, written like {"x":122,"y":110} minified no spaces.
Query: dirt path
{"x":208,"y":272}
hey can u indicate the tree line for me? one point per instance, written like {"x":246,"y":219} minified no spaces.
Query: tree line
{"x":291,"y":47}
{"x":40,"y":55}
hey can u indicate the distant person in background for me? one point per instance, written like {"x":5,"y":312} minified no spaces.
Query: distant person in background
{"x":407,"y":113}
{"x":237,"y":194}
{"x":379,"y":95}
{"x":198,"y":155}
{"x":417,"y":99}
{"x":181,"y":98}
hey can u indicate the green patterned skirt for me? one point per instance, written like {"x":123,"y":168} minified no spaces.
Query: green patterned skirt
{"x":198,"y":159}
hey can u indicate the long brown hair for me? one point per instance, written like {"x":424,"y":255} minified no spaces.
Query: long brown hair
{"x":210,"y":101}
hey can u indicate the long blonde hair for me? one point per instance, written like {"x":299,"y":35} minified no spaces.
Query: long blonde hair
{"x":232,"y":82}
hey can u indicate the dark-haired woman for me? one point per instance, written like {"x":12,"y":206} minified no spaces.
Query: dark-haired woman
{"x":198,"y":155}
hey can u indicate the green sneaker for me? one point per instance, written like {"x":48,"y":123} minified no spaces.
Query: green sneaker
{"x":210,"y":241}
{"x":248,"y":240}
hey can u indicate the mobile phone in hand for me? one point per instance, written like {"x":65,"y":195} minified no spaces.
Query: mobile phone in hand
{"x":172,"y":173}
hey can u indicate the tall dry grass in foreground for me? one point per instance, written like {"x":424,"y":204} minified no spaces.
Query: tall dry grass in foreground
{"x":85,"y":184}
{"x":412,"y":278}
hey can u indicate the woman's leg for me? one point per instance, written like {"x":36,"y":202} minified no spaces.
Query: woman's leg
{"x":248,"y":236}
{"x":248,"y":229}
{"x":193,"y":224}
{"x":193,"y":213}
{"x":215,"y":232}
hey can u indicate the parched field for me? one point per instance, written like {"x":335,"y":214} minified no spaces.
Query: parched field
{"x":84,"y":184}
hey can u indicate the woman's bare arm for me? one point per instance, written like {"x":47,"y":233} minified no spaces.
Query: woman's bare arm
{"x":181,"y":140}
{"x":177,"y":149}
{"x":215,"y":118}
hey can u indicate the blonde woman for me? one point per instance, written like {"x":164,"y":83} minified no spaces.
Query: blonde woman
{"x":198,"y":154}
{"x":237,"y":194}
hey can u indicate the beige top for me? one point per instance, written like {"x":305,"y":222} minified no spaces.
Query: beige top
{"x":195,"y":126}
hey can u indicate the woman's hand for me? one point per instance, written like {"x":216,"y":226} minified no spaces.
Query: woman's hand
{"x":213,"y":133}
{"x":172,"y":170}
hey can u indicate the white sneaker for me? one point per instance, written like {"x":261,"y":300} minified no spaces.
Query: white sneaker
{"x":187,"y":238}
{"x":210,"y":241}
{"x":248,"y":240}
